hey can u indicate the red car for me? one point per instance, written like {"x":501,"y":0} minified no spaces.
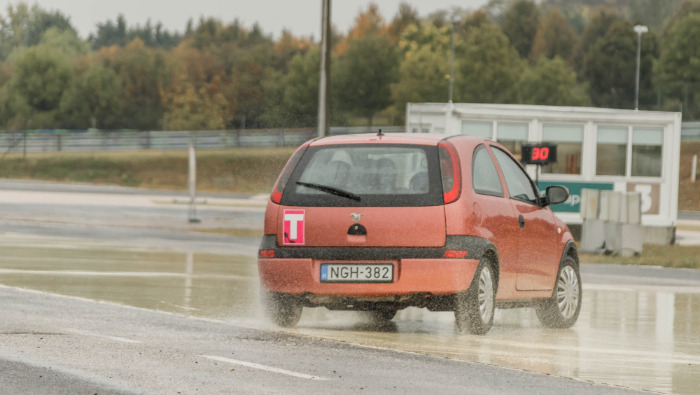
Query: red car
{"x":381,"y":222}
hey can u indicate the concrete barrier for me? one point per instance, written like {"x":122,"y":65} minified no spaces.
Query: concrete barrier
{"x":612,"y":222}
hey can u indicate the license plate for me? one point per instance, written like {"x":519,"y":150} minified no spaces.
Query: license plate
{"x":356,"y":273}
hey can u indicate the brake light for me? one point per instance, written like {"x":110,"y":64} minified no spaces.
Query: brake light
{"x":267,"y":253}
{"x":450,"y":172}
{"x":286,"y":173}
{"x":456,"y":254}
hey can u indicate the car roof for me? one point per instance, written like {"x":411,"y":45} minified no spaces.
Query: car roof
{"x":394,"y":138}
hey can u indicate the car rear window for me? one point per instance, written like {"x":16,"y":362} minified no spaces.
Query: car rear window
{"x":366,"y":175}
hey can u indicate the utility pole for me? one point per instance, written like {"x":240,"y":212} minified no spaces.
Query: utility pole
{"x":324,"y":90}
{"x":452,"y":61}
{"x":639,"y":29}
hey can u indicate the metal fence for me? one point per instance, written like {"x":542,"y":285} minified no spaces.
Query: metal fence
{"x":690,"y":131}
{"x":28,"y":141}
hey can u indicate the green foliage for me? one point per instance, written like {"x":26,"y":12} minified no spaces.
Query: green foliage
{"x":520,"y":24}
{"x":364,"y":75}
{"x":424,"y":77}
{"x":25,"y":27}
{"x":65,"y":41}
{"x":300,"y":98}
{"x":610,"y":66}
{"x":117,"y":33}
{"x":225,"y":75}
{"x":680,"y":56}
{"x":486,"y":67}
{"x":41,"y":78}
{"x":95,"y":94}
{"x":554,"y":37}
{"x":551,"y":82}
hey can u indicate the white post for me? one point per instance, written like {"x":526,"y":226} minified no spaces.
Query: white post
{"x":324,"y":90}
{"x":694,"y":168}
{"x":192,"y":181}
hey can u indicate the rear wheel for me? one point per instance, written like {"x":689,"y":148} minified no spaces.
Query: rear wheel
{"x":474,"y":309}
{"x":563,"y":308}
{"x":381,"y":315}
{"x":283,"y":310}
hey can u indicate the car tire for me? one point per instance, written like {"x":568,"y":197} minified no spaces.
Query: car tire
{"x":283,"y":310}
{"x":474,"y":309}
{"x":561,"y":310}
{"x":382,"y":315}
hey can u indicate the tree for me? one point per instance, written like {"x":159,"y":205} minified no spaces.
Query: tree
{"x":678,"y":68}
{"x":41,"y":78}
{"x":287,"y":48}
{"x":118,"y":33}
{"x":598,"y":25}
{"x":94,"y":95}
{"x":554,"y":37}
{"x":652,"y":13}
{"x":246,"y":55}
{"x":364,"y":75}
{"x":424,"y":69}
{"x":520,"y":24}
{"x":405,"y":17}
{"x":551,"y":82}
{"x":366,"y":23}
{"x":110,"y":33}
{"x":24,"y":27}
{"x":486,"y":67}
{"x":293,"y":97}
{"x":611,"y":63}
{"x":65,"y":41}
{"x":144,"y":74}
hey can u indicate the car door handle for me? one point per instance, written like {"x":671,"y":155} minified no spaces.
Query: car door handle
{"x":522,"y":221}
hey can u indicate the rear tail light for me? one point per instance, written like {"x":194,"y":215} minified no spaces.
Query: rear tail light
{"x":286,"y":173}
{"x":450,"y":172}
{"x":267,"y":253}
{"x":456,"y":254}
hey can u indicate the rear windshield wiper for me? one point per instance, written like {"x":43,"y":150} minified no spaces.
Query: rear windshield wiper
{"x":331,"y":190}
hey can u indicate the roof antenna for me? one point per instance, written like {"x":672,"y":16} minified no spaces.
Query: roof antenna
{"x":380,"y":134}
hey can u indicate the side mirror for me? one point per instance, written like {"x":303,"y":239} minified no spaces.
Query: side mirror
{"x":556,"y":194}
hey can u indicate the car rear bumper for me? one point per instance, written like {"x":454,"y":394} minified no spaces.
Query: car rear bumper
{"x":444,"y":276}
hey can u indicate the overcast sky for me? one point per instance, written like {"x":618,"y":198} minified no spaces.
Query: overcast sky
{"x":302,"y":17}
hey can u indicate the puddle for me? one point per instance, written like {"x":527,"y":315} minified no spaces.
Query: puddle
{"x":200,"y":284}
{"x":645,"y":338}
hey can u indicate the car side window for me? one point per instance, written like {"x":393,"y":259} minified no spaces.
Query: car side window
{"x":519,"y":185}
{"x":485,"y":179}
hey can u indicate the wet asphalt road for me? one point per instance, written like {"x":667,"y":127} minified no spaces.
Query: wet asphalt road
{"x":155,"y":304}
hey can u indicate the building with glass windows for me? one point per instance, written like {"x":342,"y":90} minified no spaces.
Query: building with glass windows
{"x":597,"y":148}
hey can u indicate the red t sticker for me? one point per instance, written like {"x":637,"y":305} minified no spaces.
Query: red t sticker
{"x":293,"y":227}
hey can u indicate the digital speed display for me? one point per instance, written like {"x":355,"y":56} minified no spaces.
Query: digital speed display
{"x":539,"y":154}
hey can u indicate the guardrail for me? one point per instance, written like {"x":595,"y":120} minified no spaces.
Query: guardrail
{"x":96,"y":140}
{"x":690,"y":130}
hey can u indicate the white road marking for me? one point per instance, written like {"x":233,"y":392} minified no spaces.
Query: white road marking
{"x":115,"y":338}
{"x":266,"y":368}
{"x":117,"y":274}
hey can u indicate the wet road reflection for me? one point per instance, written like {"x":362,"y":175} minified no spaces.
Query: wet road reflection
{"x":200,"y":284}
{"x":644,"y":338}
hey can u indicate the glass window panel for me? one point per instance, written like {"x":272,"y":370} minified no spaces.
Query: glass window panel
{"x":569,"y":142}
{"x":612,"y":135}
{"x":647,"y":136}
{"x":611,"y":151}
{"x":562,"y":133}
{"x":485,"y":178}
{"x":512,"y":136}
{"x":474,"y":128}
{"x":518,"y":183}
{"x":512,"y":131}
{"x":647,"y":147}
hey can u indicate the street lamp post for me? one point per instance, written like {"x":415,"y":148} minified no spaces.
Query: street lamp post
{"x":639,"y":29}
{"x":452,"y":61}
